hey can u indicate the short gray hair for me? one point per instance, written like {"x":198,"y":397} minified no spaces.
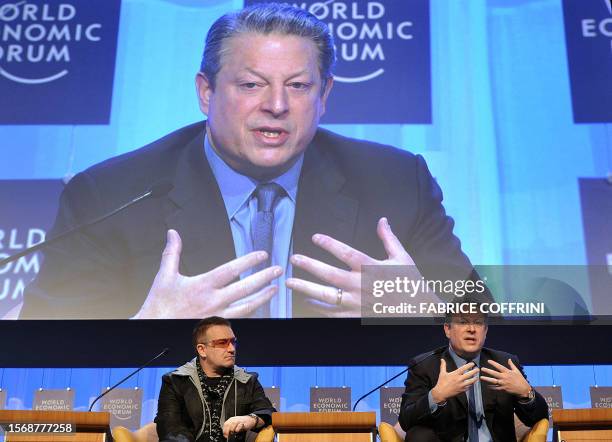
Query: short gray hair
{"x":268,"y":18}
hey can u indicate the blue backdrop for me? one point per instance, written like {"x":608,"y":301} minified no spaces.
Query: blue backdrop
{"x":502,"y":144}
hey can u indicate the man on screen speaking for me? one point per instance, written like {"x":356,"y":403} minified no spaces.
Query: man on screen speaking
{"x":268,"y":215}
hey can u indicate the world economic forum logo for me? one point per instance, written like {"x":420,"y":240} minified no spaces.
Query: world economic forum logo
{"x":383,"y":51}
{"x":588,"y":34}
{"x":54,"y":49}
{"x":361,"y":33}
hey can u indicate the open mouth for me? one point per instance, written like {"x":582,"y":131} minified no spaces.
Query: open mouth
{"x":270,"y":133}
{"x":271,"y":136}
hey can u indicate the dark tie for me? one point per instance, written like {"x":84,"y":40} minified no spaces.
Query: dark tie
{"x":474,"y":420}
{"x":263,"y":229}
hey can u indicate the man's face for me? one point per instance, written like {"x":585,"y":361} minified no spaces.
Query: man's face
{"x":467,"y":334}
{"x":266,"y":103}
{"x":217,"y":350}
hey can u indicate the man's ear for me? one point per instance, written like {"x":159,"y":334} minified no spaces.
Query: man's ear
{"x":201,"y":349}
{"x":447,"y":327}
{"x":328,"y":87}
{"x":203,"y":89}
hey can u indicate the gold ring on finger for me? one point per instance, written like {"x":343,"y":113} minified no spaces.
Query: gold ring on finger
{"x":339,"y":296}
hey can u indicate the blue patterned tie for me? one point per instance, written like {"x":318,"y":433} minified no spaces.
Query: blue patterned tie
{"x":474,"y":420}
{"x":263,"y":229}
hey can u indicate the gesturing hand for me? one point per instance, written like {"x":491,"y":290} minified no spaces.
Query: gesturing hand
{"x":450,"y":384}
{"x":510,"y":380}
{"x":173,"y":295}
{"x":342,"y":297}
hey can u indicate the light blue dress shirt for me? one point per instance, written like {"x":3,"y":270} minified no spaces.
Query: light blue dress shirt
{"x":484,"y":435}
{"x":241,"y":206}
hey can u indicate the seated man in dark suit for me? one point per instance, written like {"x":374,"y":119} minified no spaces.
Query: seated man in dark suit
{"x":209,"y":398}
{"x":467,"y":392}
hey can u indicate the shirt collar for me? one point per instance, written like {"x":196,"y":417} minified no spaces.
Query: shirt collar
{"x":237,"y":188}
{"x":459,"y":361}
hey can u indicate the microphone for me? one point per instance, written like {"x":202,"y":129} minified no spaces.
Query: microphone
{"x":156,"y":191}
{"x":414,"y":362}
{"x":163,"y":352}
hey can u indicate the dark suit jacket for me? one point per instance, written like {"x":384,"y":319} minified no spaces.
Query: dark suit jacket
{"x":345,"y":186}
{"x":450,"y":421}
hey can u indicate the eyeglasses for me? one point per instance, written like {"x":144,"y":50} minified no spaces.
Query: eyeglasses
{"x":479,"y":323}
{"x":221,"y":343}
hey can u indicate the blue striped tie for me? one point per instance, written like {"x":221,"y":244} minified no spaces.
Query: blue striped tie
{"x":263,"y":229}
{"x":474,"y":420}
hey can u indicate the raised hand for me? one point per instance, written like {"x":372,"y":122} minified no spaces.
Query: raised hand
{"x":342,"y":297}
{"x":450,"y":384}
{"x":510,"y":380}
{"x":176,"y":296}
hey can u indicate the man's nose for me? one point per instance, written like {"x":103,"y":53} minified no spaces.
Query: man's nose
{"x":276,"y":101}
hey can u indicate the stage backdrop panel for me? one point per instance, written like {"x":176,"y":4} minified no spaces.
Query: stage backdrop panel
{"x":28,"y":210}
{"x":588,"y":33}
{"x":57,"y":61}
{"x":596,"y":199}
